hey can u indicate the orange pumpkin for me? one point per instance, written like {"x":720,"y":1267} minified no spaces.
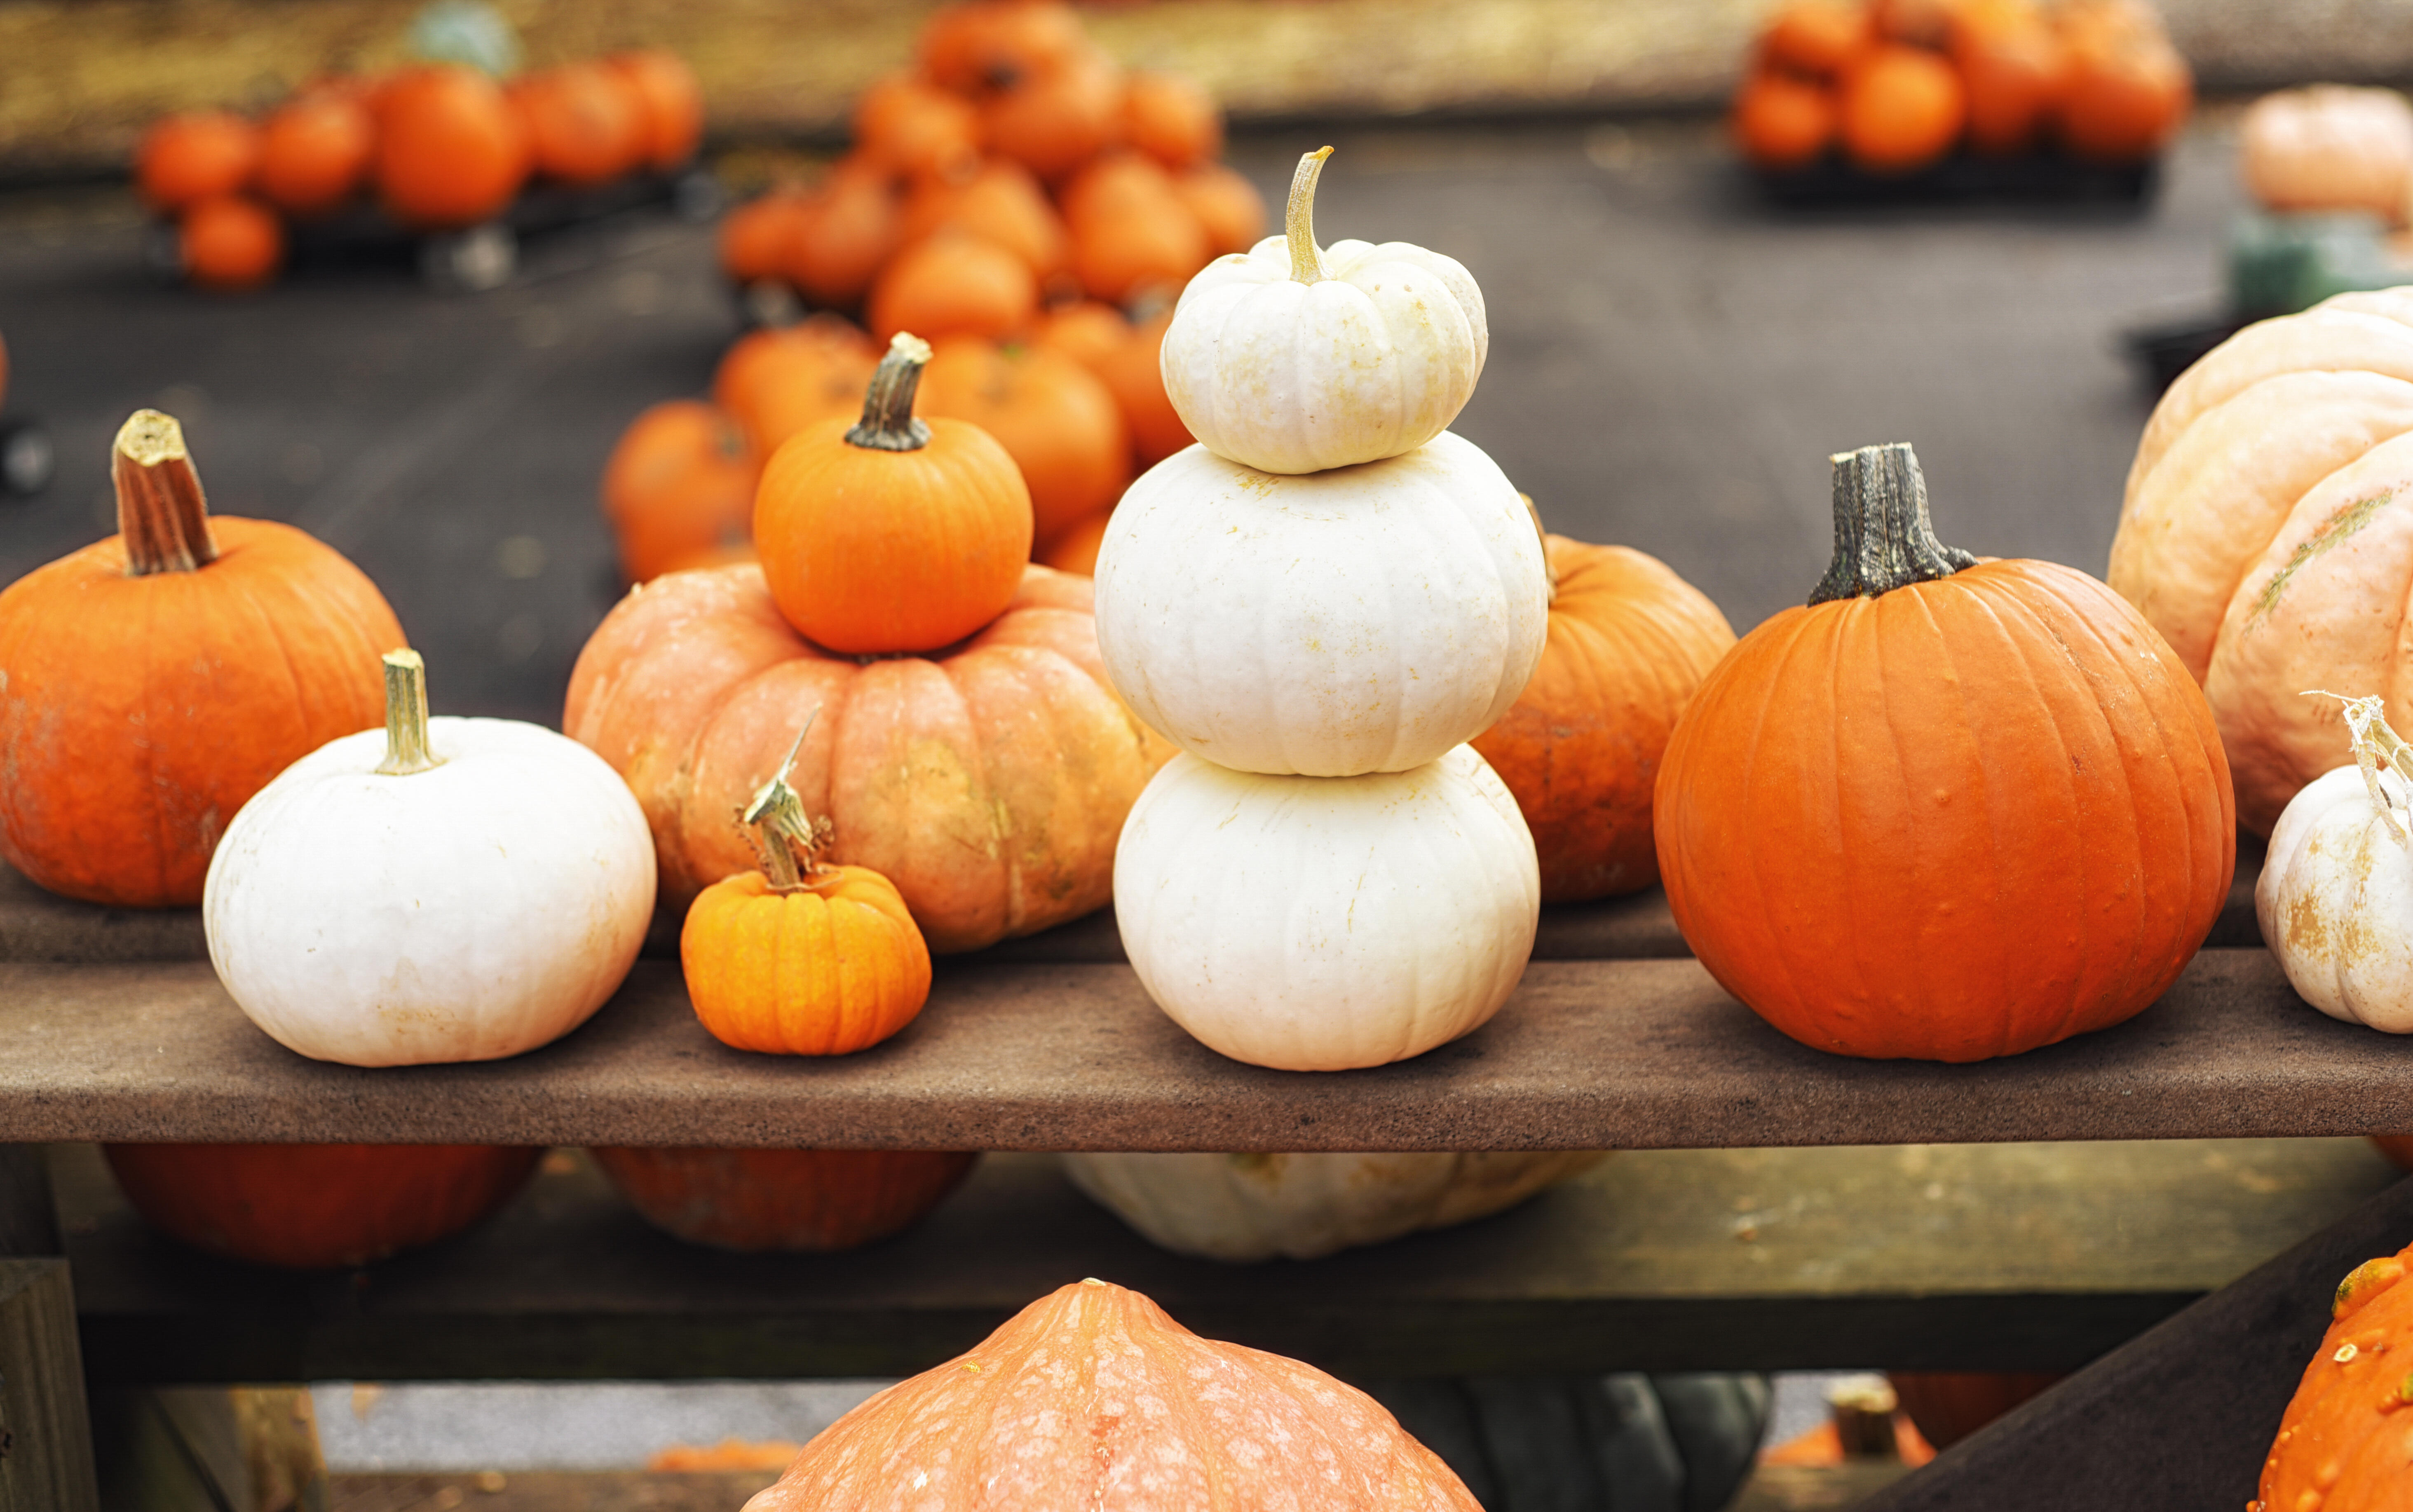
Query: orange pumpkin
{"x":1951,"y":809}
{"x":2397,"y":1147}
{"x":315,"y":153}
{"x":1918,"y":23}
{"x":756,"y":238}
{"x":1172,"y":119}
{"x":1057,"y":117}
{"x":1629,"y":641}
{"x":1131,"y":235}
{"x":1228,"y":207}
{"x":230,"y":243}
{"x":194,"y":156}
{"x":1781,"y":121}
{"x":954,"y":283}
{"x":776,"y":382}
{"x":2341,"y":1447}
{"x":670,"y":105}
{"x":316,"y":1206}
{"x":1819,"y":37}
{"x":1092,"y":1397}
{"x":451,"y":150}
{"x":1901,"y":109}
{"x":915,"y":129}
{"x":2016,"y":71}
{"x":158,"y":678}
{"x":812,"y":1200}
{"x":973,"y":46}
{"x":1059,"y":424}
{"x":584,"y":123}
{"x":2128,"y":91}
{"x":850,"y":230}
{"x":679,"y":487}
{"x":1947,"y":1407}
{"x":1127,"y":359}
{"x":988,"y":782}
{"x":1075,"y":548}
{"x":893,"y":533}
{"x":1001,"y":203}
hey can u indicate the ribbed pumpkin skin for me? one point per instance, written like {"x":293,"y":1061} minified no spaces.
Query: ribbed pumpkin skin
{"x":314,"y":1207}
{"x":679,"y":486}
{"x":1628,"y":642}
{"x":1092,"y":1397}
{"x":1057,"y":420}
{"x":783,"y":1199}
{"x":1962,"y":819}
{"x":139,"y":713}
{"x":824,"y":970}
{"x":2347,"y":1441}
{"x":988,"y":784}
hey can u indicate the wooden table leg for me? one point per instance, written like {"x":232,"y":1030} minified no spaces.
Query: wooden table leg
{"x":46,"y":1459}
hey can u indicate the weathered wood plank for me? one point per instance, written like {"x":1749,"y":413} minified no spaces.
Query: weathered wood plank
{"x":45,"y":1439}
{"x":2025,"y":1257}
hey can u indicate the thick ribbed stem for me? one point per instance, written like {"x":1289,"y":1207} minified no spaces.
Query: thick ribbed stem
{"x":1298,"y":220}
{"x":161,"y":515}
{"x":787,"y":840}
{"x":888,"y":424}
{"x":406,"y":717}
{"x":1883,"y":538}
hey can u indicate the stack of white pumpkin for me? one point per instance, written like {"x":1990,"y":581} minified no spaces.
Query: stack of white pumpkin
{"x":1320,"y":603}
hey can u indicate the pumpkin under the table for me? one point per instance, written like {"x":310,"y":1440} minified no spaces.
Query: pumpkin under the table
{"x":783,"y":1199}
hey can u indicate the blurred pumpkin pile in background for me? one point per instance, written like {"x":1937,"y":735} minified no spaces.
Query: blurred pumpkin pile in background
{"x":1018,"y":199}
{"x":2330,"y":168}
{"x":433,"y":147}
{"x":1897,"y":86}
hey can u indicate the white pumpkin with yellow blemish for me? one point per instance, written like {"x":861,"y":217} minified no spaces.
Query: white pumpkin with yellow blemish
{"x":1294,"y":359}
{"x":2335,"y":898}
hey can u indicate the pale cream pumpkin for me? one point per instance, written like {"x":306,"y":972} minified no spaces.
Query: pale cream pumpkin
{"x":1320,"y":924}
{"x":2268,"y":532}
{"x":2335,"y":897}
{"x":1295,"y":359}
{"x":1244,"y":1208}
{"x":2329,"y":147}
{"x":1363,"y":619}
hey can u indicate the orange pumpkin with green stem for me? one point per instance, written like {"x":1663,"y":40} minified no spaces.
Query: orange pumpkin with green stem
{"x":159,"y":678}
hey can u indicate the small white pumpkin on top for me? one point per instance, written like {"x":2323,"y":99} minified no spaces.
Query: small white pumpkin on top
{"x":1322,"y":924}
{"x":438,"y":890}
{"x":1363,"y":619}
{"x":1292,"y":358}
{"x":2335,"y":898}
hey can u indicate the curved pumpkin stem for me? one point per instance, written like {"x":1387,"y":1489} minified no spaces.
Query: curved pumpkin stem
{"x":161,"y":515}
{"x":1298,"y":220}
{"x":787,"y":840}
{"x":1884,"y":539}
{"x":2376,"y":745}
{"x":406,"y":716}
{"x":888,"y":423}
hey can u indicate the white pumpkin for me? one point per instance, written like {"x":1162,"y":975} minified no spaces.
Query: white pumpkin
{"x":1295,"y":359}
{"x":2330,"y":147}
{"x":440,"y":890}
{"x":1320,"y":924}
{"x":2335,"y":898}
{"x":1258,"y":1206}
{"x":1365,"y":620}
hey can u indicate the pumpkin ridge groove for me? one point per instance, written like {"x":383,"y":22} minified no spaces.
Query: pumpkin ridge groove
{"x":1758,"y":883}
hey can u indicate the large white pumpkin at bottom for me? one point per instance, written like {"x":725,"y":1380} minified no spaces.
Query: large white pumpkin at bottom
{"x":2335,"y":898}
{"x":472,"y":911}
{"x":1301,"y":1207}
{"x":1322,"y":923}
{"x":1365,"y":620}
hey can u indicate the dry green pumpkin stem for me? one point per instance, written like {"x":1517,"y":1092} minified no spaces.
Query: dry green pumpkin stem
{"x":406,"y":716}
{"x":787,"y":840}
{"x":1884,"y":539}
{"x":161,"y":514}
{"x":2376,"y":745}
{"x":1298,"y":220}
{"x":888,"y":423}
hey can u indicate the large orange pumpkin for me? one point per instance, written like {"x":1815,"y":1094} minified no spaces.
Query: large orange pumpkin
{"x":586,"y":124}
{"x":314,"y":1207}
{"x":1057,"y":421}
{"x":680,"y":488}
{"x":1951,"y":809}
{"x":670,"y":105}
{"x":1629,"y":641}
{"x":989,"y":783}
{"x":194,"y":156}
{"x":315,"y":151}
{"x":776,"y":382}
{"x":1092,"y":1397}
{"x":451,"y":150}
{"x":158,"y":678}
{"x":2342,"y":1446}
{"x":894,"y":533}
{"x":783,"y":1199}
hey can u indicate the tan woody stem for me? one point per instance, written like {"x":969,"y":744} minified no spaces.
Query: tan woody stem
{"x":161,"y":515}
{"x":1883,"y":537}
{"x":787,"y":840}
{"x":2377,"y":746}
{"x":1298,"y":220}
{"x":888,"y":424}
{"x":406,"y":717}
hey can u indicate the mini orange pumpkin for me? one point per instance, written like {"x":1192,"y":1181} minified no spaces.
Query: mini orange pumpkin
{"x":915,"y":129}
{"x":850,"y":228}
{"x":230,"y":242}
{"x":451,"y":150}
{"x":1820,"y":38}
{"x":1228,"y":207}
{"x":757,"y":237}
{"x":1781,"y":121}
{"x":2127,"y":90}
{"x":791,"y":1200}
{"x":776,"y":382}
{"x":1131,"y":235}
{"x":1075,"y":549}
{"x":1127,"y":359}
{"x":893,"y":534}
{"x":194,"y":156}
{"x":680,"y":488}
{"x":951,"y":285}
{"x":973,"y":46}
{"x":670,"y":105}
{"x":1057,"y":117}
{"x":2341,"y":1447}
{"x":1172,"y":119}
{"x":1055,"y":419}
{"x":1002,"y":203}
{"x":315,"y":153}
{"x":584,"y":123}
{"x":2016,"y":69}
{"x":1903,"y":108}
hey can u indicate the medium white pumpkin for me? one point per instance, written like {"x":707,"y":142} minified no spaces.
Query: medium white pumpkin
{"x":2335,"y":898}
{"x":1292,"y":359}
{"x":440,"y":890}
{"x":1365,"y":620}
{"x":1246,"y":1208}
{"x":1321,"y":923}
{"x":2330,"y":147}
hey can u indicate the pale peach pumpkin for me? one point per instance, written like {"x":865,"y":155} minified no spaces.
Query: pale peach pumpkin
{"x":988,"y":781}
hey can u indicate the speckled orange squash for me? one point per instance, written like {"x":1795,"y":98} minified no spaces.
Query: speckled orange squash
{"x":807,"y":1200}
{"x":1953,"y":808}
{"x":158,"y":678}
{"x":1092,"y":1397}
{"x":2345,"y":1441}
{"x":1629,"y":641}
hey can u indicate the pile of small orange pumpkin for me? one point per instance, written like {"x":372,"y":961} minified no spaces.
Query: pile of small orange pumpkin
{"x":1010,"y":201}
{"x":437,"y":147}
{"x":1897,"y":84}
